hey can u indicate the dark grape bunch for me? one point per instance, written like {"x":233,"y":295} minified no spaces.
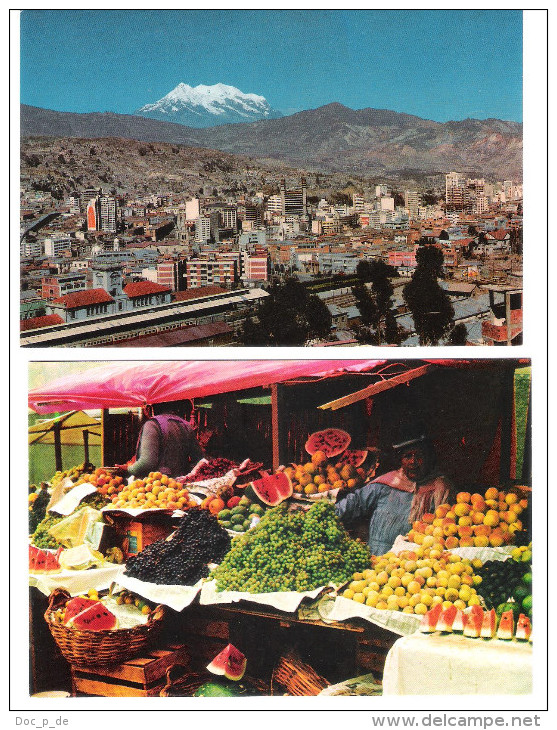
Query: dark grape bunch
{"x":499,"y":579}
{"x":292,"y":551}
{"x":182,"y":560}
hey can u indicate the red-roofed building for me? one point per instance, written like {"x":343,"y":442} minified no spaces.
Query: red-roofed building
{"x":147,"y":293}
{"x":81,"y":305}
{"x":34,"y":323}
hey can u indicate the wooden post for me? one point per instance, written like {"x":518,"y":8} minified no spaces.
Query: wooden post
{"x":508,"y":317}
{"x":86,"y":446}
{"x":58,"y":445}
{"x":507,"y":405}
{"x":104,"y":414}
{"x":277,"y":401}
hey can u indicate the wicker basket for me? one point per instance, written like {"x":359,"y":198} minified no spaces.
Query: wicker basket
{"x":99,"y":648}
{"x":297,"y":678}
{"x":186,"y":685}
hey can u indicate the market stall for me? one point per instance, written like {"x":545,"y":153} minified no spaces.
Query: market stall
{"x":255,"y":542}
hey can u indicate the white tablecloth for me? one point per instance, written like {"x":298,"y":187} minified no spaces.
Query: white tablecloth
{"x":452,"y":664}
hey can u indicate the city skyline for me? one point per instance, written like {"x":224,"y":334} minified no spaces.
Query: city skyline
{"x":435,"y":64}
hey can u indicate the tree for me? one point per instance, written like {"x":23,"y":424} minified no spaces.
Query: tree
{"x":288,"y":316}
{"x":459,"y":335}
{"x":375,"y":306}
{"x":428,"y":302}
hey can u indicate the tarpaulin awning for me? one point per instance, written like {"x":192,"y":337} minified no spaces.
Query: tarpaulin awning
{"x":70,"y":427}
{"x":125,"y":384}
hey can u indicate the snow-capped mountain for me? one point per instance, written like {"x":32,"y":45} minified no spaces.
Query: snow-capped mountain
{"x":209,"y":106}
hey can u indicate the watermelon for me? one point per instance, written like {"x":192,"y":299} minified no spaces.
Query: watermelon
{"x":506,"y":626}
{"x":94,"y":618}
{"x":429,"y":620}
{"x":459,"y":621}
{"x":353,"y":457}
{"x":230,"y":662}
{"x":474,"y":622}
{"x":77,"y":605}
{"x":488,"y":625}
{"x":523,"y":628}
{"x":39,"y":562}
{"x":51,"y":564}
{"x":446,"y":619}
{"x":32,"y":555}
{"x":214,"y":689}
{"x":272,"y":489}
{"x":331,"y":441}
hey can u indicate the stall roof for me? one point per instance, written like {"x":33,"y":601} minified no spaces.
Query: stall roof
{"x":71,"y":427}
{"x":125,"y":384}
{"x":121,"y":384}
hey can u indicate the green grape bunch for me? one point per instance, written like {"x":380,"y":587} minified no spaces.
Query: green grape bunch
{"x":292,"y":551}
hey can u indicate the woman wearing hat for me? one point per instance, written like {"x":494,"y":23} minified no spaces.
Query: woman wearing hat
{"x":394,"y":500}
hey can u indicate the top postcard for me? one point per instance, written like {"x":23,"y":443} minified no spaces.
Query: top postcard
{"x":270,"y":178}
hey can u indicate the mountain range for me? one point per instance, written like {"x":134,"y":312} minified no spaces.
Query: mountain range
{"x":331,"y":138}
{"x":208,"y":106}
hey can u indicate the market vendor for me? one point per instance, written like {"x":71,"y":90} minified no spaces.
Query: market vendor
{"x":166,"y":443}
{"x":394,"y":500}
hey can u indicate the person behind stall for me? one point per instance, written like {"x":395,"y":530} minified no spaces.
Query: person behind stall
{"x":166,"y":443}
{"x":394,"y":500}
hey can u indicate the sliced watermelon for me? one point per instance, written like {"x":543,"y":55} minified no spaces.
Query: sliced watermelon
{"x":51,"y":564}
{"x":94,"y":618}
{"x":474,"y":622}
{"x":429,"y":620}
{"x":489,"y":624}
{"x":230,"y":662}
{"x":353,"y":457}
{"x":446,"y":619}
{"x":459,"y":621}
{"x":331,"y":441}
{"x":523,"y":628}
{"x":272,"y":489}
{"x":32,"y":555}
{"x":506,"y":626}
{"x":76,"y":605}
{"x":39,"y":562}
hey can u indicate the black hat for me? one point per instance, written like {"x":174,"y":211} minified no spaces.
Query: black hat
{"x":410,"y":434}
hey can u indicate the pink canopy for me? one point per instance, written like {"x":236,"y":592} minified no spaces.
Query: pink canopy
{"x":125,"y":384}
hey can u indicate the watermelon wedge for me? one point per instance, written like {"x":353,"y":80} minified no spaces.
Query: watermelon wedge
{"x":94,"y":618}
{"x":474,"y":622}
{"x":32,"y":555}
{"x":353,"y":457}
{"x":506,"y":626}
{"x":230,"y":662}
{"x":459,"y":621}
{"x":51,"y":564}
{"x":272,"y":489}
{"x":523,"y":628}
{"x":489,"y":625}
{"x":446,"y":619}
{"x":39,"y":562}
{"x":331,"y":441}
{"x":76,"y":605}
{"x":429,"y":620}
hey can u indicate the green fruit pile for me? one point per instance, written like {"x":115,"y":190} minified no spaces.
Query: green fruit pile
{"x":239,"y":518}
{"x":292,"y":551}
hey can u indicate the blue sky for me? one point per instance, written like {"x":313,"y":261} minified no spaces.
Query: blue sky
{"x":441,"y":65}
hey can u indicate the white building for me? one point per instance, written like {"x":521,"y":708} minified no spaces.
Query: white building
{"x":56,"y":244}
{"x":202,"y":229}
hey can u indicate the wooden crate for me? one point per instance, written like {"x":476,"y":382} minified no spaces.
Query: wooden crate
{"x":142,"y":676}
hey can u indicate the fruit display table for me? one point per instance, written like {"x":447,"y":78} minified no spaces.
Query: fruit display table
{"x":454,"y":664}
{"x":76,"y":581}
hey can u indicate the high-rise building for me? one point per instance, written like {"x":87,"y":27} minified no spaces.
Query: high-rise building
{"x":293,"y":202}
{"x":202,"y":229}
{"x":108,"y":213}
{"x":412,"y":202}
{"x":457,"y":194}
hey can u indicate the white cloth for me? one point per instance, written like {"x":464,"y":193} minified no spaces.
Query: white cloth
{"x":453,"y":664}
{"x":76,"y":582}
{"x":396,"y":621}
{"x":283,"y":601}
{"x":176,"y":597}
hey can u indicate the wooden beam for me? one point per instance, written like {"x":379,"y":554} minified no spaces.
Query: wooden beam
{"x":277,"y":403}
{"x":379,"y":387}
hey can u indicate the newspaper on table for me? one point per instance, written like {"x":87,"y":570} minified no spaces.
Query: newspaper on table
{"x":175,"y":596}
{"x":471,"y":553}
{"x":66,"y":503}
{"x":287,"y":601}
{"x":343,"y":609}
{"x":76,"y":582}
